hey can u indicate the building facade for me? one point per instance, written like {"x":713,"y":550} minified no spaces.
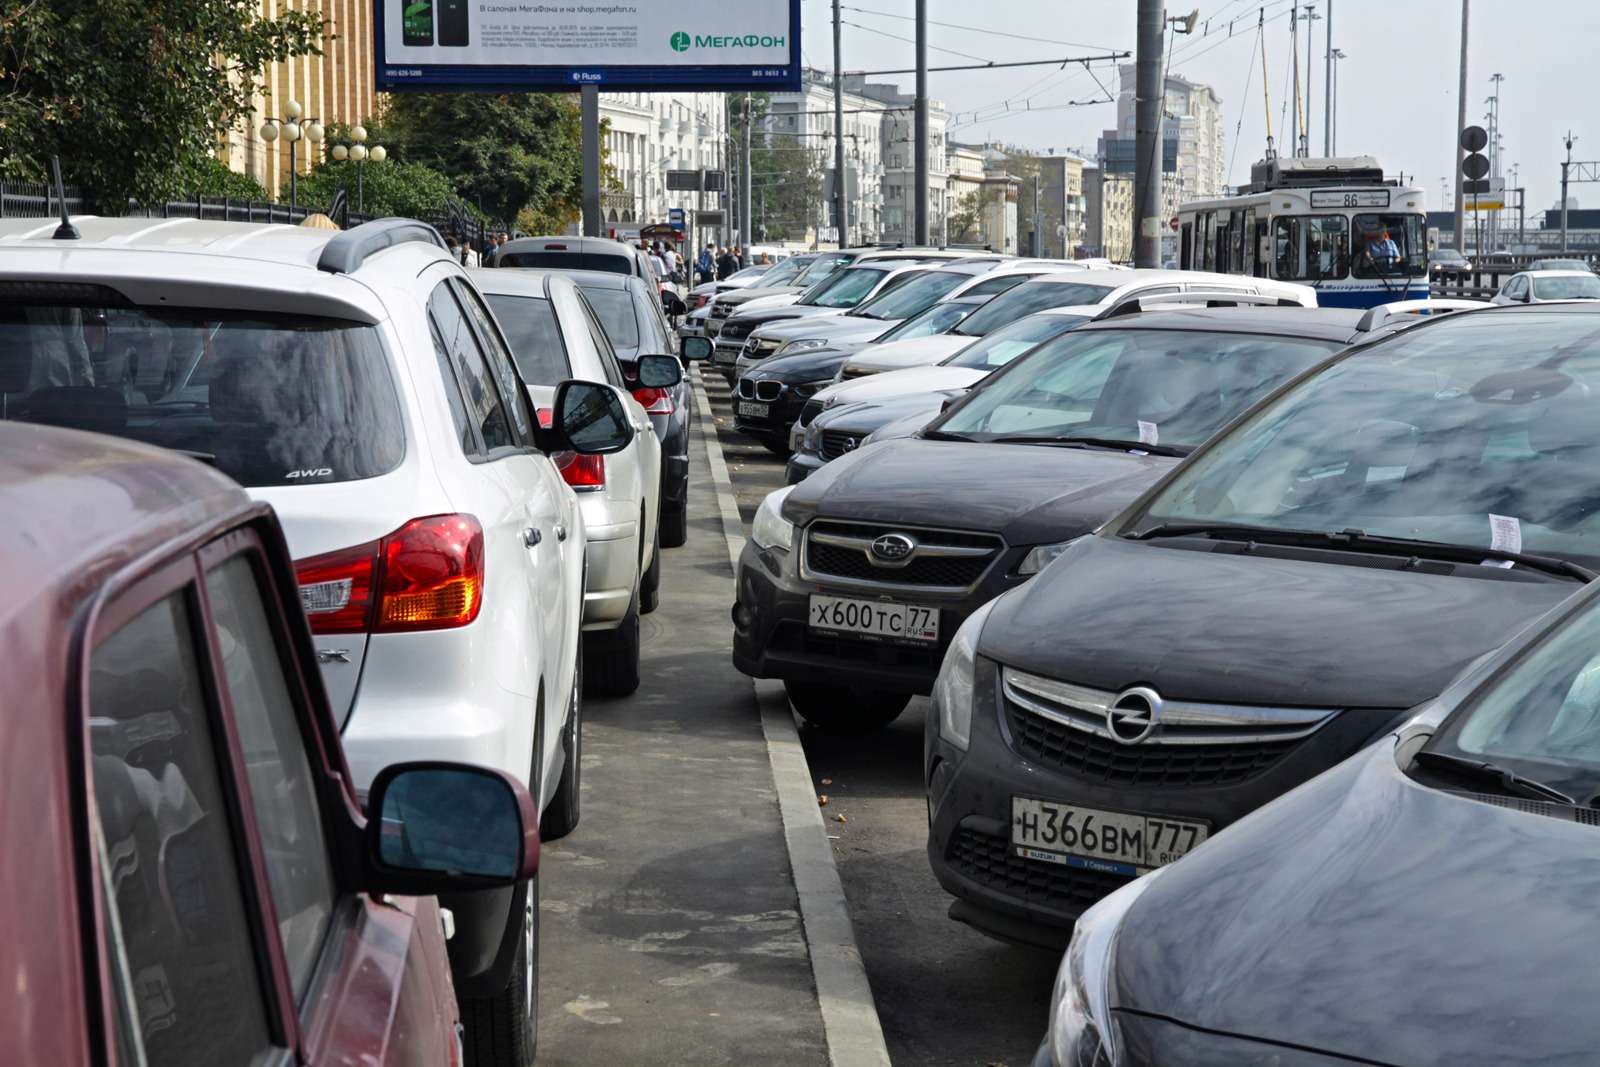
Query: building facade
{"x":803,"y":122}
{"x":648,"y":134}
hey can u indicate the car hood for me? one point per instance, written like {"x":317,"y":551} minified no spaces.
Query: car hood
{"x":810,"y":366}
{"x":916,"y":352}
{"x":765,"y":302}
{"x":835,"y":326}
{"x":900,"y":383}
{"x":1370,"y":916}
{"x":871,"y":414}
{"x":1254,"y":629}
{"x":758,"y":317}
{"x":1028,"y":494}
{"x":745,"y":297}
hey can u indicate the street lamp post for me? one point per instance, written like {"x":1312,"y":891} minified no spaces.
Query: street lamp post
{"x":359,"y":153}
{"x":292,"y":128}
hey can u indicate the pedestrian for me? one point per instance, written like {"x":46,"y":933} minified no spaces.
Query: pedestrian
{"x":727,"y":265}
{"x":659,"y":264}
{"x":706,"y":264}
{"x":674,"y":261}
{"x":739,"y":257}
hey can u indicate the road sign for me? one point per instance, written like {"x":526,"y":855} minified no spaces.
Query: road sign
{"x":1475,"y":166}
{"x":708,"y":218}
{"x":1473,"y":138}
{"x":696,"y":45}
{"x":1475,"y":188}
{"x":675,"y":218}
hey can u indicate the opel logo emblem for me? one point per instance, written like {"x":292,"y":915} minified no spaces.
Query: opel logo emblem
{"x":893,"y":548}
{"x":1134,"y":715}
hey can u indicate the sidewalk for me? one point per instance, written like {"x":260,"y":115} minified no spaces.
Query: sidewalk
{"x":670,"y":920}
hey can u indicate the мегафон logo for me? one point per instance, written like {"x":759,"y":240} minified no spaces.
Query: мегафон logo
{"x":682,"y":42}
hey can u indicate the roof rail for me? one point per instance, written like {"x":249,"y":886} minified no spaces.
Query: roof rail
{"x":1395,"y":309}
{"x":1219,"y":298}
{"x":348,"y":250}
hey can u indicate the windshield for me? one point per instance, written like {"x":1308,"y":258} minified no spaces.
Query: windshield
{"x":530,"y":327}
{"x":823,"y":266}
{"x":1027,"y":298}
{"x":1474,"y":432}
{"x":845,"y":289}
{"x":1389,"y":245}
{"x":1543,"y":714}
{"x":1009,"y":342}
{"x":914,"y":296}
{"x":1571,"y":287}
{"x":1558,"y":264}
{"x":615,"y":308}
{"x":931,"y":322}
{"x":270,"y":399}
{"x":1167,"y":387}
{"x":784,"y":273}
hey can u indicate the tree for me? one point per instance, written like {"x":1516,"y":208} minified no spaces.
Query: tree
{"x":966,"y":220}
{"x":129,"y":93}
{"x":393,"y":187}
{"x":787,"y":183}
{"x":209,"y":176}
{"x":515,"y":155}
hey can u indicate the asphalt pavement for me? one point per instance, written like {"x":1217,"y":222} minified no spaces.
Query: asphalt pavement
{"x":946,"y":995}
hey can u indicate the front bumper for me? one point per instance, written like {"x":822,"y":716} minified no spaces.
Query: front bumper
{"x":782,"y":414}
{"x":771,"y":638}
{"x":969,"y":804}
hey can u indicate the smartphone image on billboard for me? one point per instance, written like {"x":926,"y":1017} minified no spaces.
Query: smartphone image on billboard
{"x":416,"y":23}
{"x":453,"y":23}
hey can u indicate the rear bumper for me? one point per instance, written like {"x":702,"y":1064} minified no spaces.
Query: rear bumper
{"x":613,"y":555}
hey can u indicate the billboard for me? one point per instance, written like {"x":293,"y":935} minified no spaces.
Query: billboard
{"x":562,"y":45}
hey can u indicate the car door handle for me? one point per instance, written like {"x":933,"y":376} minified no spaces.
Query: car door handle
{"x":531,"y":536}
{"x":561,"y":531}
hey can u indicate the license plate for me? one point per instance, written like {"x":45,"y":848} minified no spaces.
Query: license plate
{"x":1117,"y":842}
{"x":878,"y":618}
{"x":725,"y":354}
{"x":754,"y":410}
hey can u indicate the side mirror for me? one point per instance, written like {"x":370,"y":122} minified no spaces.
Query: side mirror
{"x":1527,"y":296}
{"x":696,"y":349}
{"x":659,"y":372}
{"x":437,"y":827}
{"x":590,"y":418}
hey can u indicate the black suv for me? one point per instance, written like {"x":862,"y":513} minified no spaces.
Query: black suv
{"x":1274,"y":604}
{"x":854,"y":580}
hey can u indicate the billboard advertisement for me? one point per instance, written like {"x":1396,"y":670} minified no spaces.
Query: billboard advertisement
{"x":562,"y":45}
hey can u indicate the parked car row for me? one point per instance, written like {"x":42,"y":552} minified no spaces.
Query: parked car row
{"x":474,"y":473}
{"x":1167,"y":564}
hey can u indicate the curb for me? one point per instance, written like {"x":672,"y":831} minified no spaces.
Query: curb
{"x":844,"y":996}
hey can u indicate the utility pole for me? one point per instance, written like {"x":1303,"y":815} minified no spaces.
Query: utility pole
{"x":1294,"y":68}
{"x":1461,"y":129}
{"x":1327,"y":86}
{"x":1494,"y":152}
{"x":839,"y":202}
{"x":747,"y":214}
{"x":1150,"y":98}
{"x":1338,"y":54}
{"x":1305,"y":134}
{"x":589,"y":123}
{"x":1566,"y":165}
{"x":920,"y":157}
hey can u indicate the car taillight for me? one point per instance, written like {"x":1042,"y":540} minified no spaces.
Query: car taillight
{"x":654,"y":400}
{"x":427,"y":575}
{"x":580,"y":471}
{"x":547,"y":418}
{"x":700,"y":301}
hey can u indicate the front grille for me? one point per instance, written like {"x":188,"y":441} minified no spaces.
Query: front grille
{"x":812,"y":409}
{"x":720,"y":310}
{"x":763,"y":389}
{"x":746,"y":389}
{"x":989,"y":861}
{"x":951,"y":559}
{"x":735,"y":331}
{"x":836,"y":443}
{"x":1099,"y":759}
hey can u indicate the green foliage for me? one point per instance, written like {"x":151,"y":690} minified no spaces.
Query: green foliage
{"x":966,"y":220}
{"x":511,"y":154}
{"x":788,"y":181}
{"x":412,"y":190}
{"x":130,"y":92}
{"x":209,"y":176}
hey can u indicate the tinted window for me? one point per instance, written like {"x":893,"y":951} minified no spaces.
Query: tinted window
{"x":1024,"y":300}
{"x":1567,"y":288}
{"x":275,"y":399}
{"x":992,"y":286}
{"x":530,"y":325}
{"x":1426,"y":435}
{"x":282,"y":787}
{"x":1153,"y":386}
{"x":500,"y":365}
{"x":910,"y":297}
{"x":1009,"y":342}
{"x":615,"y":309}
{"x":484,"y":409}
{"x":612,"y":264}
{"x":174,"y":863}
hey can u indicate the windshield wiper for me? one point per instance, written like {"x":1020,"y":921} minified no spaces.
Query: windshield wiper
{"x":1082,"y":441}
{"x":1359,"y":540}
{"x":1483,"y":771}
{"x":203,"y":457}
{"x":946,"y":435}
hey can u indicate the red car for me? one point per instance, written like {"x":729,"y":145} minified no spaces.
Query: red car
{"x":187,"y":874}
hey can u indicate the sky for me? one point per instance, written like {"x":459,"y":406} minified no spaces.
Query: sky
{"x":1396,"y":95}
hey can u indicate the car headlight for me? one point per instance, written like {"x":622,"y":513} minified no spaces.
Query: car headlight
{"x":1080,"y":1007}
{"x":804,"y":344}
{"x":952,"y":690}
{"x":1040,"y":556}
{"x":770,"y":529}
{"x":807,"y":390}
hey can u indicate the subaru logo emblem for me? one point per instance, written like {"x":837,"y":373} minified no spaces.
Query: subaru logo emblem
{"x":1134,"y":715}
{"x":893,"y":548}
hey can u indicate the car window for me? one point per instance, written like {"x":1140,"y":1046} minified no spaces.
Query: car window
{"x":1026,"y":299}
{"x":512,"y":394}
{"x":270,"y":399}
{"x":1567,"y":288}
{"x":283,"y":788}
{"x":615,"y":310}
{"x":602,"y":345}
{"x":535,"y":336}
{"x":935,"y":320}
{"x":1009,"y":342}
{"x":452,"y":390}
{"x":823,"y":266}
{"x":845,"y":288}
{"x":484,"y":409}
{"x":611,"y":264}
{"x":175,"y":862}
{"x":993,"y":286}
{"x":899,"y":301}
{"x":1516,"y":286}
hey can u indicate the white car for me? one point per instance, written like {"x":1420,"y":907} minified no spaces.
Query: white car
{"x":1542,"y":286}
{"x":555,"y":335}
{"x":1090,"y":290}
{"x":357,"y":383}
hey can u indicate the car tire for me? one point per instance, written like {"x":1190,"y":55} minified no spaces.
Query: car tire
{"x":843,"y":709}
{"x":503,"y":1030}
{"x":674,"y":532}
{"x":778,"y":446}
{"x":650,"y":584}
{"x":611,"y":658}
{"x":561,"y":817}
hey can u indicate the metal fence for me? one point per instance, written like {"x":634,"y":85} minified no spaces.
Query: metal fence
{"x":38,"y":200}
